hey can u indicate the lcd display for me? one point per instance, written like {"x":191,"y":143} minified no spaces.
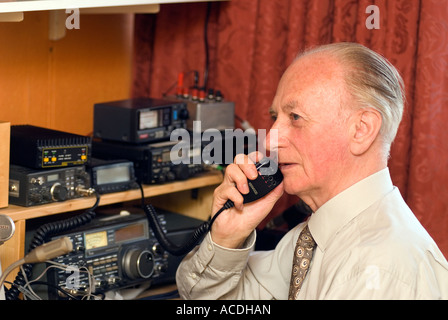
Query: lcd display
{"x":113,"y":174}
{"x":52,"y":177}
{"x":148,"y":119}
{"x":133,"y":231}
{"x":166,"y":156}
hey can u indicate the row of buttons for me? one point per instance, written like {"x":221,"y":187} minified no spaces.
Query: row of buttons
{"x":269,"y":180}
{"x":103,"y":264}
{"x":54,"y":159}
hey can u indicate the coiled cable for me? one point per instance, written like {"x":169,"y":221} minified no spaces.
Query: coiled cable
{"x":160,"y":235}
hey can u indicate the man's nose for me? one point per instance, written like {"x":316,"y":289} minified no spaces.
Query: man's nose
{"x":276,"y":137}
{"x":271,"y":141}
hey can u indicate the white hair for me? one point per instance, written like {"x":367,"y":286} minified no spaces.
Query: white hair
{"x":373,"y":82}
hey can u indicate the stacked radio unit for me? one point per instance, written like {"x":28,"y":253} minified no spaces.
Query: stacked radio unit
{"x":139,"y":130}
{"x":47,"y":165}
{"x":130,"y":144}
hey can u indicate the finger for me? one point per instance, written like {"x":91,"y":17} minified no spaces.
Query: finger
{"x":224,"y":193}
{"x":246,"y":165}
{"x":235,"y":176}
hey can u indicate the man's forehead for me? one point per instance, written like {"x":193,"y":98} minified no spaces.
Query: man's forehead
{"x":307,"y":79}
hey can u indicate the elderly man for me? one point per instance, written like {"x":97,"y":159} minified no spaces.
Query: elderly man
{"x":337,"y":110}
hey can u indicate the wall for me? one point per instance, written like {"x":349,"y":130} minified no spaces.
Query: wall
{"x":55,"y":83}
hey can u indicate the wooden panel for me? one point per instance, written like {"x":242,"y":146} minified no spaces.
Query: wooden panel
{"x":13,"y":249}
{"x":55,"y":83}
{"x":4,"y":163}
{"x":90,"y":65}
{"x":24,"y":66}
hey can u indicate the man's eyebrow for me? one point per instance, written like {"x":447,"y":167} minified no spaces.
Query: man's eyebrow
{"x":289,"y":105}
{"x":285,"y":108}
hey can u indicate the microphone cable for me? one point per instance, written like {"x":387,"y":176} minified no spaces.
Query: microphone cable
{"x":196,"y":237}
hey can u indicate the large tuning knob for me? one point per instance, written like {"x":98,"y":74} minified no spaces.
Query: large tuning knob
{"x":138,"y":263}
{"x":58,"y":192}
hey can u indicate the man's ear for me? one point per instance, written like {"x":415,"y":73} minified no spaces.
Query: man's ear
{"x":365,"y":127}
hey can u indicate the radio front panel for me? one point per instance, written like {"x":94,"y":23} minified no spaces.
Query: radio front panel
{"x":139,"y":120}
{"x":117,"y":256}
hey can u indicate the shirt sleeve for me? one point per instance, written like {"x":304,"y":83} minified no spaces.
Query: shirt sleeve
{"x":213,"y":272}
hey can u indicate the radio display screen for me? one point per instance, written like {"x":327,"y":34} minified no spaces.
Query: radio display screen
{"x":95,"y":240}
{"x":52,"y":177}
{"x":148,"y":119}
{"x":133,"y":231}
{"x":166,"y":156}
{"x":113,"y":174}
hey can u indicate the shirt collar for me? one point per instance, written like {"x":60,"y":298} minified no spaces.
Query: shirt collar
{"x":338,"y":211}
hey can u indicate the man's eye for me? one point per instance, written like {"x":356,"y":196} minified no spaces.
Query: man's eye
{"x":294,"y":116}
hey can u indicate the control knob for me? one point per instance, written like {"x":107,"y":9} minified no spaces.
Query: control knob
{"x":58,"y":192}
{"x":184,"y":114}
{"x":138,"y":263}
{"x":181,"y":172}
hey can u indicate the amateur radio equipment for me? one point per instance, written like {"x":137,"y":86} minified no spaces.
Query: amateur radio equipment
{"x":210,"y":114}
{"x":43,"y":148}
{"x":108,"y":176}
{"x":138,"y":120}
{"x":30,"y":187}
{"x":152,"y":163}
{"x":121,"y":251}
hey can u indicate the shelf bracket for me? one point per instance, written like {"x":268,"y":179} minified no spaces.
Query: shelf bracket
{"x":56,"y":24}
{"x":11,"y":16}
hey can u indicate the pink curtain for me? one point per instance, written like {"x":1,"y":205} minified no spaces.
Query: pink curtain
{"x":251,"y":42}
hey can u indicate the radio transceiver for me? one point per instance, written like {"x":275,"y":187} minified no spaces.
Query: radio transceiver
{"x":138,"y":120}
{"x":109,"y":176}
{"x":30,"y":187}
{"x":212,"y":114}
{"x":121,"y":251}
{"x":152,"y":162}
{"x":37,"y":147}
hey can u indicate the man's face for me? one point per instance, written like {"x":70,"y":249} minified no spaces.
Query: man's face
{"x":312,"y":128}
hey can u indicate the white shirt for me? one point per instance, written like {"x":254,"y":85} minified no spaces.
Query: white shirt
{"x":369,"y":246}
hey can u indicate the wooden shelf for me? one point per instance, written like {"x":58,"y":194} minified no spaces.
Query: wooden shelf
{"x":12,"y":10}
{"x":44,"y":5}
{"x":23,"y":213}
